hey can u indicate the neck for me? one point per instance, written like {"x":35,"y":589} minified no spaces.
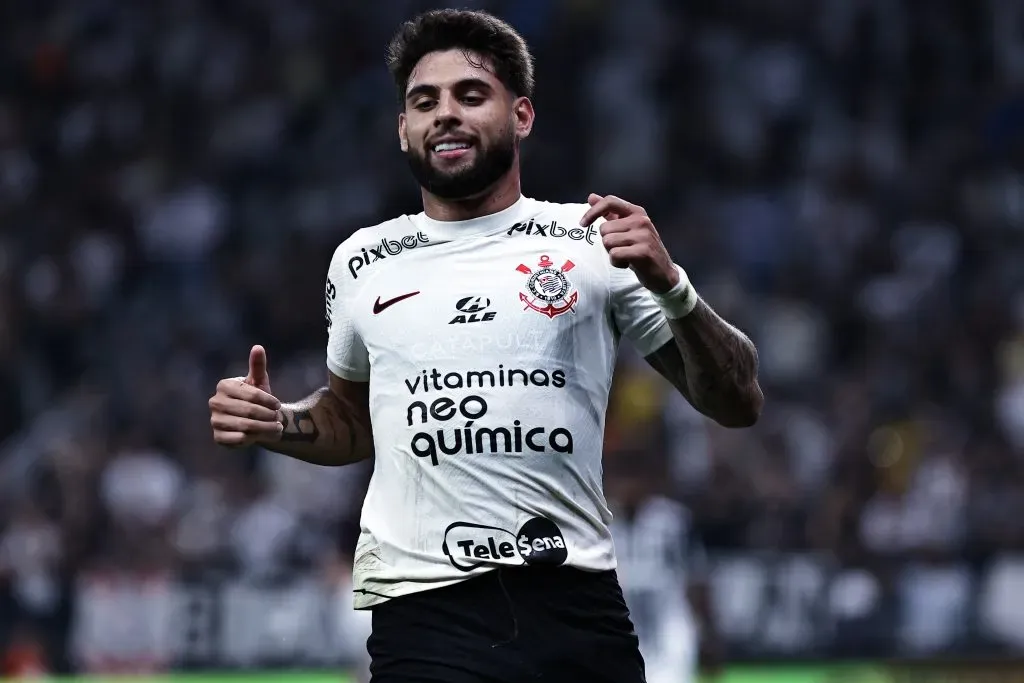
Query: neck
{"x":498,"y":197}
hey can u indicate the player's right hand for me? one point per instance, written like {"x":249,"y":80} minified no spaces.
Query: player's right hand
{"x":244,"y":411}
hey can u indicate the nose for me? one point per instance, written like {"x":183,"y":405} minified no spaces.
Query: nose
{"x":447,"y":112}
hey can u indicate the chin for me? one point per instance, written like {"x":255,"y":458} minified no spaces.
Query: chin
{"x":452,"y":171}
{"x":461,"y":197}
{"x":452,"y":168}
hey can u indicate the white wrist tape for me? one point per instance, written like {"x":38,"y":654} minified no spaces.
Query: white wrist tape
{"x":679,"y":301}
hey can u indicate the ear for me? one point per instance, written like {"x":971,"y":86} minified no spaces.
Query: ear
{"x":522,"y":111}
{"x":403,"y":139}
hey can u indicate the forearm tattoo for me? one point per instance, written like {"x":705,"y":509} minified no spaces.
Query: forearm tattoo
{"x":326,"y":429}
{"x":714,"y":365}
{"x":300,"y":427}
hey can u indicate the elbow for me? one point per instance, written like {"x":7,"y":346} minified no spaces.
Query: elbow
{"x":742,"y":412}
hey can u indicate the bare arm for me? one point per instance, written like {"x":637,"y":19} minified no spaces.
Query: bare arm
{"x":714,"y":366}
{"x":329,"y":427}
{"x":712,"y":363}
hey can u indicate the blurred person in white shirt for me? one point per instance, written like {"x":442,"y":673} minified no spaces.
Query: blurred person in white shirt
{"x":662,"y":565}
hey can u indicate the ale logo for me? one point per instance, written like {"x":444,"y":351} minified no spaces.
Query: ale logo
{"x":473,"y":309}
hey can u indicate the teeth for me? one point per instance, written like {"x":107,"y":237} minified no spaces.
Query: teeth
{"x":449,"y":146}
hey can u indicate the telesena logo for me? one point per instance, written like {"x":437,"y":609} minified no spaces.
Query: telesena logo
{"x":383,"y":250}
{"x":538,"y":542}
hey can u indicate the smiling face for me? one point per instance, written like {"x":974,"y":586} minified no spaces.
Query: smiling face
{"x":461,"y":127}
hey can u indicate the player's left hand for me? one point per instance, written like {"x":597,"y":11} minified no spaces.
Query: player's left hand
{"x":631,"y":240}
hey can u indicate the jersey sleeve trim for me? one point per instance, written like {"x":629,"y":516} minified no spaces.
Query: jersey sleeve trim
{"x":654,"y":341}
{"x":346,"y":354}
{"x":351,"y":374}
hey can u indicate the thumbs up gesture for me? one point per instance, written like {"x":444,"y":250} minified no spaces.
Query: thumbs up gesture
{"x":243,"y":411}
{"x":258,"y":376}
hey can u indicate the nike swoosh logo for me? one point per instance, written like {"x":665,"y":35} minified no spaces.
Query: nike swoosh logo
{"x":379,"y":305}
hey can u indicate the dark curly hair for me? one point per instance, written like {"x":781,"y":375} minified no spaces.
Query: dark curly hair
{"x":467,"y":30}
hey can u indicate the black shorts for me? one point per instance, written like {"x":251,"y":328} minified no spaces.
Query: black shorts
{"x":510,"y":625}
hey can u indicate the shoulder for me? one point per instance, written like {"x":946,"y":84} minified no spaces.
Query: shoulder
{"x":369,"y":245}
{"x":564,"y":211}
{"x":400,"y":229}
{"x":559,"y":221}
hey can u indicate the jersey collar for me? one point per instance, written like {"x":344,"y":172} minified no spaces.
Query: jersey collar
{"x":475,"y":227}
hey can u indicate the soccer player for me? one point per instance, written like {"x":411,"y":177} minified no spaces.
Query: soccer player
{"x":662,"y":568}
{"x":470,"y":353}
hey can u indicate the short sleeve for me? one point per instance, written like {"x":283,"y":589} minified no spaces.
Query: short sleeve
{"x":637,"y":316}
{"x":346,"y":354}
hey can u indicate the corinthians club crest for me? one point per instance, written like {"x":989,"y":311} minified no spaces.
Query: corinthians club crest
{"x":548,"y":291}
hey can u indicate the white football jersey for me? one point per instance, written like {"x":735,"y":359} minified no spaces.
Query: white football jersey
{"x":489,"y":345}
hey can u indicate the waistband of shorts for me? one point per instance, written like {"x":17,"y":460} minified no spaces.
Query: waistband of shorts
{"x":541,"y":579}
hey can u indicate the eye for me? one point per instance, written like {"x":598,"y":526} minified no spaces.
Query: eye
{"x":472,"y":100}
{"x":423,"y":105}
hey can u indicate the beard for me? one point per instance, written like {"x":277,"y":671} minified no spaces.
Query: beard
{"x":490,"y":165}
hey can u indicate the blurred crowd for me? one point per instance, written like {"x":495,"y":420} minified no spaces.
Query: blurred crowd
{"x":841,"y":178}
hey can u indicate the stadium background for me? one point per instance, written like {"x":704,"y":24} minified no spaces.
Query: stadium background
{"x":842,"y":178}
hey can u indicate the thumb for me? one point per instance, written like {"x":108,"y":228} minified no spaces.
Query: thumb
{"x":593,"y":198}
{"x":257,"y":367}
